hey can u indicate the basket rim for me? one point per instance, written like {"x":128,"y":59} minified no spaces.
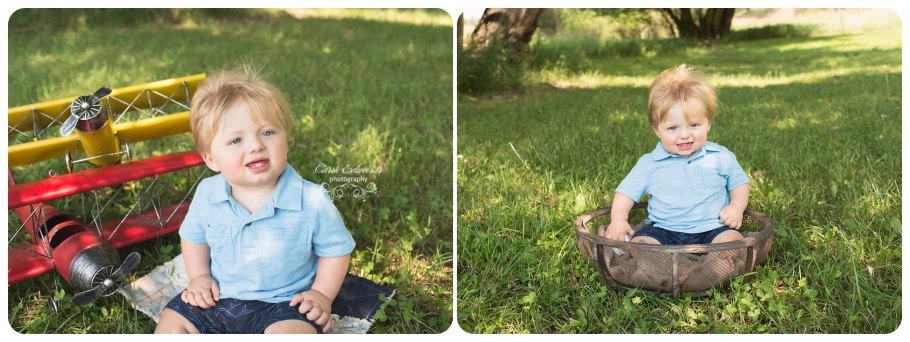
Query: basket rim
{"x":582,"y":232}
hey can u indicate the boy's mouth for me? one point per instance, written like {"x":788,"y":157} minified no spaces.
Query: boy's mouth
{"x":683,"y":147}
{"x":258,"y":165}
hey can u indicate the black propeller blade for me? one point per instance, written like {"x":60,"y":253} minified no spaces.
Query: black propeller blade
{"x":113,"y":281}
{"x":83,"y":298}
{"x":104,"y":91}
{"x":126,"y":267}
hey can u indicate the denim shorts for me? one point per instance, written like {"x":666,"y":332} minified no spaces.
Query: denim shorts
{"x":669,"y":237}
{"x":235,"y":316}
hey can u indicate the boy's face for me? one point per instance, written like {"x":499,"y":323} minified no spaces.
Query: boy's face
{"x":248,"y":152}
{"x":680,"y":136}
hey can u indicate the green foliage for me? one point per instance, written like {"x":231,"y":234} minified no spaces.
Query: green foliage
{"x":770,"y":32}
{"x":366,"y":87}
{"x":606,"y":23}
{"x":569,"y":21}
{"x":489,"y":70}
{"x":574,"y":53}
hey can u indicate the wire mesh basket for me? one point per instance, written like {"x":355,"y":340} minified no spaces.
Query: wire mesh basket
{"x":673,"y":269}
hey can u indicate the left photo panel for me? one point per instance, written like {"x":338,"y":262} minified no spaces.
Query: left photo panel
{"x":230,"y":171}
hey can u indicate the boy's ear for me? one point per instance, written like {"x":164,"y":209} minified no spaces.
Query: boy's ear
{"x":210,"y":162}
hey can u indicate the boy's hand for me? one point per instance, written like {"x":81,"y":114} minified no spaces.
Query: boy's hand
{"x":618,"y":229}
{"x":732,"y":216}
{"x":202,"y":292}
{"x":316,"y":306}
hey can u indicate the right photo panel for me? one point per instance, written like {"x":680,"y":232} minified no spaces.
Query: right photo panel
{"x":679,"y":170}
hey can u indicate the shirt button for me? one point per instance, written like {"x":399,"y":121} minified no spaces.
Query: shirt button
{"x":689,"y":162}
{"x":247,"y":224}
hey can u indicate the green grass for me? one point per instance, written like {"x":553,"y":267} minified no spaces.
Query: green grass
{"x":815,"y":123}
{"x":367,"y":87}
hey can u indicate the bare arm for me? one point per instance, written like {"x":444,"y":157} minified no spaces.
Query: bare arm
{"x":317,"y":302}
{"x":619,"y":217}
{"x":202,"y":290}
{"x":739,"y":196}
{"x":621,"y":206}
{"x":732,"y":214}
{"x":196,"y":256}
{"x":330,"y":274}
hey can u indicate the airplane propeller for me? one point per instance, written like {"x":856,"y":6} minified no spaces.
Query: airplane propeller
{"x":84,"y":107}
{"x":105,"y":284}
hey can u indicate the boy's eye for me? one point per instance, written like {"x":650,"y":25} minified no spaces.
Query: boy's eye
{"x":672,"y":128}
{"x":235,"y":141}
{"x":694,"y":125}
{"x":267,"y":133}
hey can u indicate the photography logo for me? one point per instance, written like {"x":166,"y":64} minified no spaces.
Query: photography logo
{"x":349,"y":180}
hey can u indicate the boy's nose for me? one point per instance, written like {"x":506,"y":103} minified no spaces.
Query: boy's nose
{"x":256,"y":146}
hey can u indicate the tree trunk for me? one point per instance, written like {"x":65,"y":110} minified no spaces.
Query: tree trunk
{"x":726,"y":21}
{"x":512,"y":26}
{"x":712,"y":23}
{"x":670,"y":24}
{"x":687,"y":27}
{"x":716,"y":22}
{"x":682,"y":19}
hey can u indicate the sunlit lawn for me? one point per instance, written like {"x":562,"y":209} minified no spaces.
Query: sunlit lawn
{"x":816,"y":123}
{"x":367,"y":87}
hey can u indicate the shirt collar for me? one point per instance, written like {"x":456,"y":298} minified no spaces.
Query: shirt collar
{"x":661,"y":153}
{"x":288,"y":192}
{"x":221,"y":190}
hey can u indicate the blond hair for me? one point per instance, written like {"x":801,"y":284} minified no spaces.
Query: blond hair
{"x":684,"y":86}
{"x":216,"y":94}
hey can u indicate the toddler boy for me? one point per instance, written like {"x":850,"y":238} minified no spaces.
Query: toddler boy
{"x":698,"y":190}
{"x":265,"y":250}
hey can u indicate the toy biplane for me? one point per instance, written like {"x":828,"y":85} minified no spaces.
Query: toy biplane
{"x":118,"y":201}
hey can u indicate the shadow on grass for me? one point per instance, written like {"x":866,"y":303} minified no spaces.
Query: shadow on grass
{"x":771,"y":32}
{"x":765,"y":55}
{"x":30,"y":19}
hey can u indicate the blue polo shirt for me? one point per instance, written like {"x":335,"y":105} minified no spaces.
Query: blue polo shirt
{"x":687,"y":193}
{"x":271,"y":254}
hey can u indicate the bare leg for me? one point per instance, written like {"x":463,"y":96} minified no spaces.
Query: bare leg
{"x":291,"y":326}
{"x":643,"y":239}
{"x":646,"y":265}
{"x":721,"y":263}
{"x":727,"y":236}
{"x":172,"y":322}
